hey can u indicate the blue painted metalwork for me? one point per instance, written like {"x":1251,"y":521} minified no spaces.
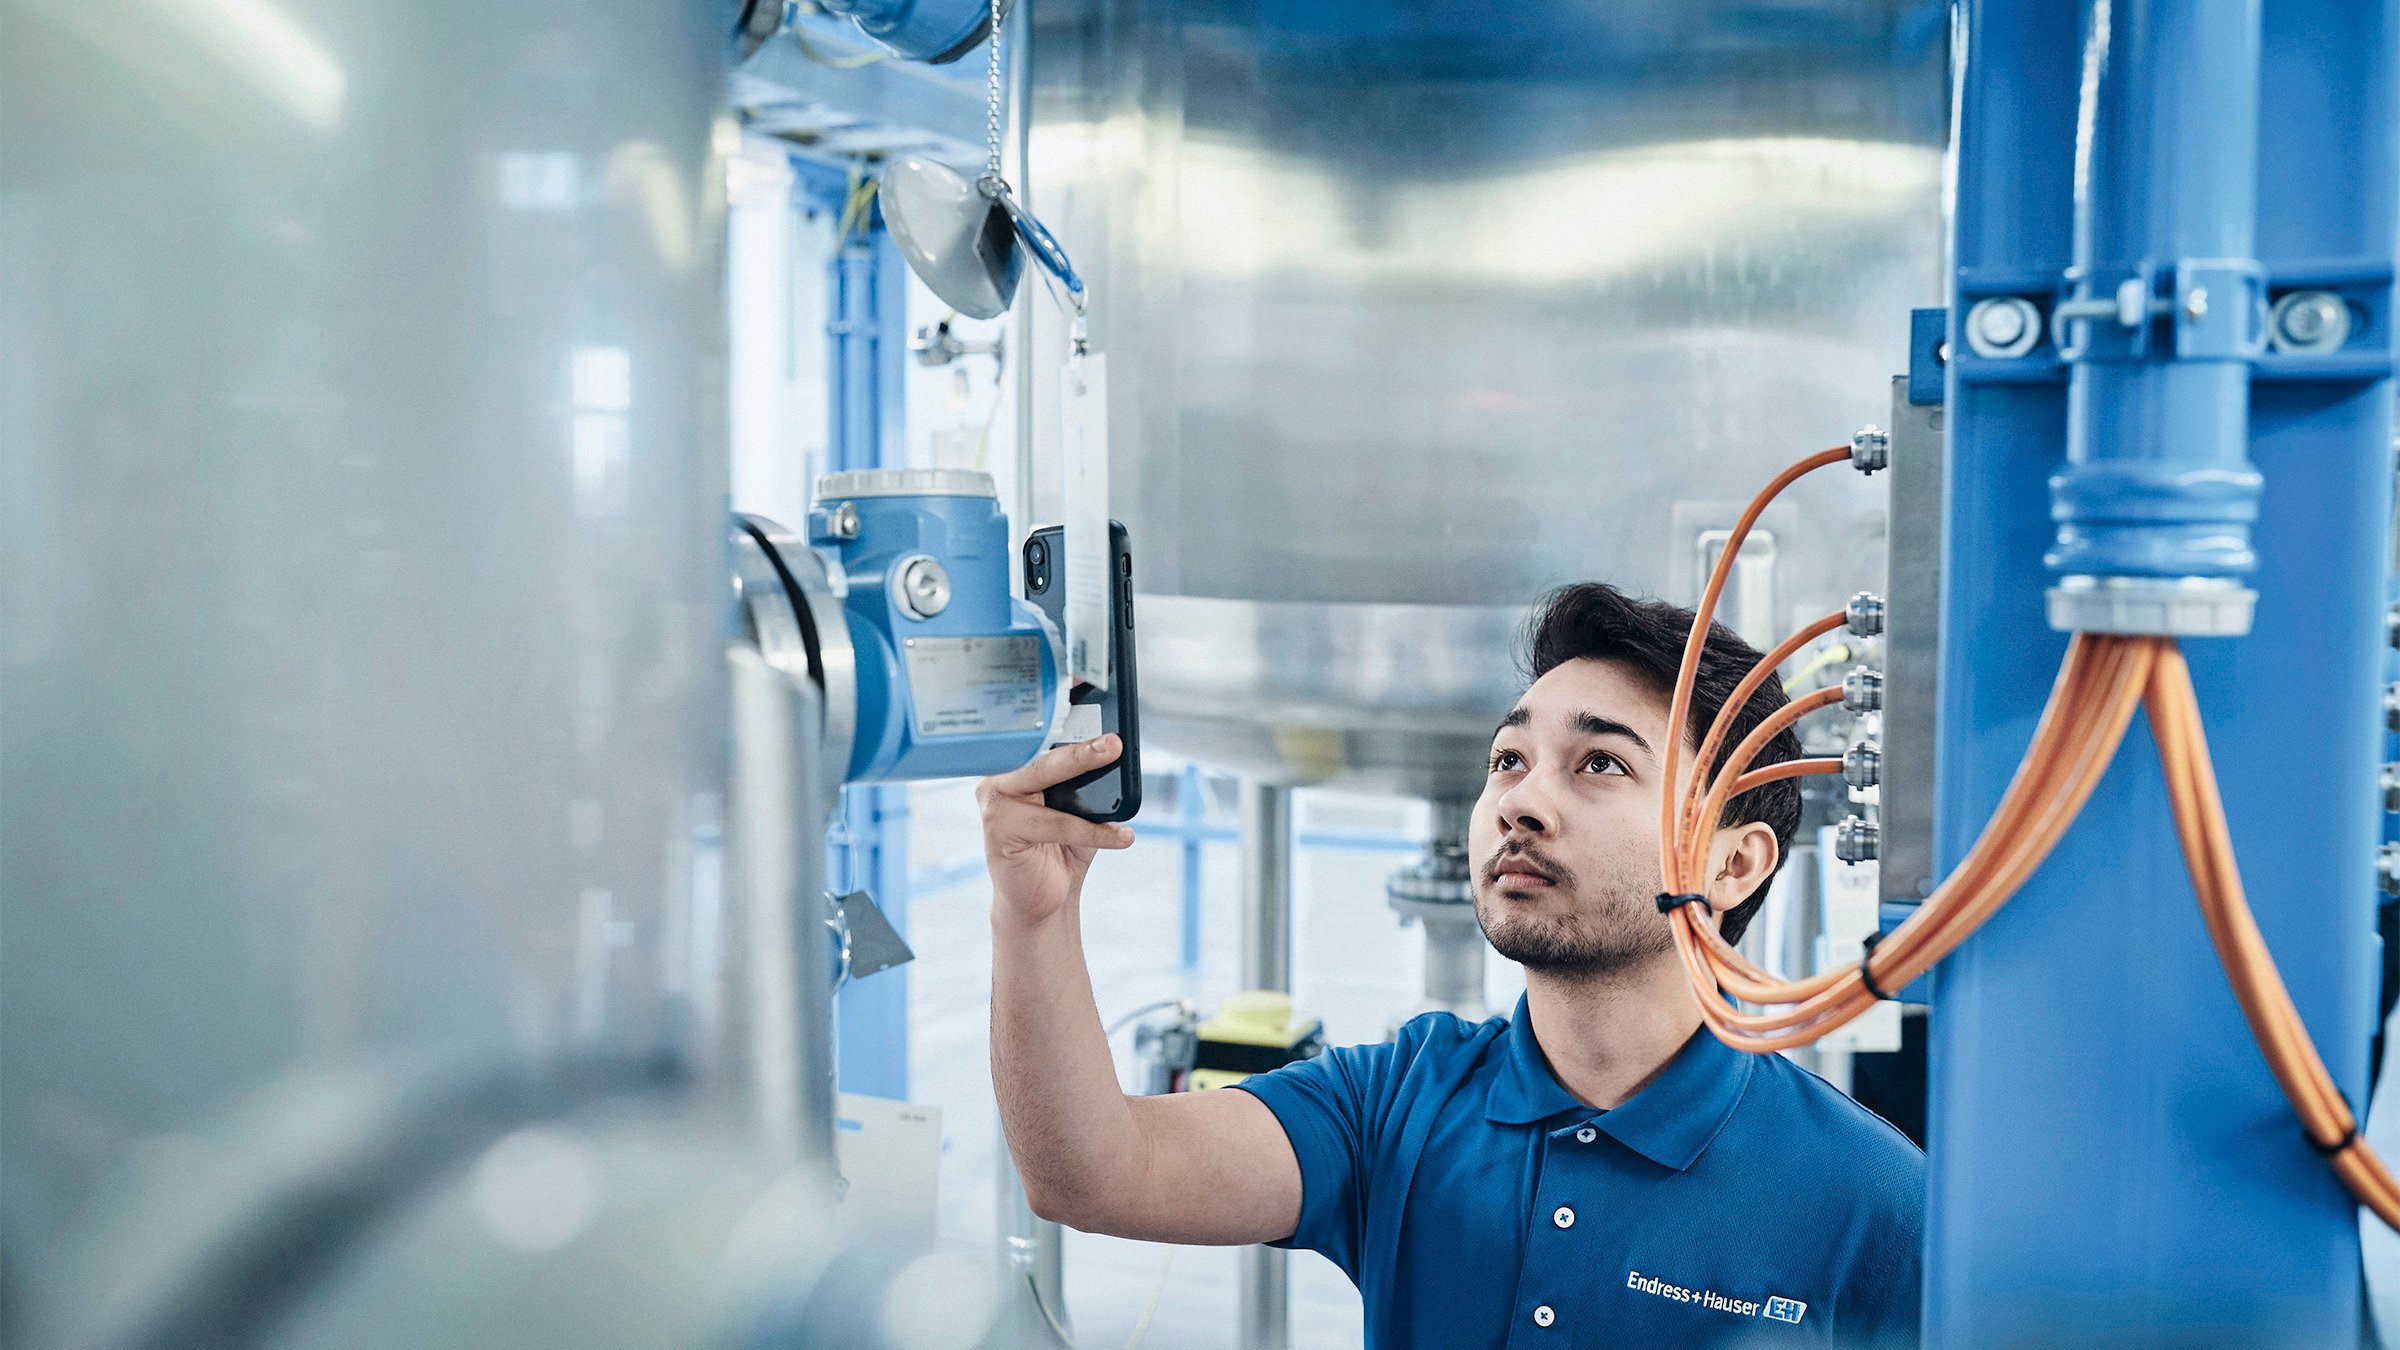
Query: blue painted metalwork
{"x":1928,"y":343}
{"x":989,"y":726}
{"x":2166,"y":303}
{"x":920,"y":30}
{"x":866,"y":328}
{"x":2110,"y":1160}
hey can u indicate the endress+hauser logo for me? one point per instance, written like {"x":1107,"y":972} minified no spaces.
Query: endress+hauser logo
{"x":1775,"y":1309}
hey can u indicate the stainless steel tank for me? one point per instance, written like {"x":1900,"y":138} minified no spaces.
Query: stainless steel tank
{"x":363,"y":590}
{"x":1414,"y":310}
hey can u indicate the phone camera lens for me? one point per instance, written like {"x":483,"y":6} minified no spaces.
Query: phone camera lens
{"x":1037,"y":554}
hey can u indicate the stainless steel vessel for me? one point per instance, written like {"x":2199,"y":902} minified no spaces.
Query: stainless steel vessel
{"x":362,"y":606}
{"x":1415,"y":310}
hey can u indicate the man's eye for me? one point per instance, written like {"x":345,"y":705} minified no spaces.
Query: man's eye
{"x":1604,"y":763}
{"x":1505,"y":761}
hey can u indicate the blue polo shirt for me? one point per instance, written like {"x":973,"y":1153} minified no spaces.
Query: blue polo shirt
{"x":1735,"y":1200}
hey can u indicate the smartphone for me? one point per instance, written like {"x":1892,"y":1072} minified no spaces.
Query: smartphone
{"x":1112,"y":793}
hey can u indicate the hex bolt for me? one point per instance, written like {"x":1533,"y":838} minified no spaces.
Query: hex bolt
{"x":1864,"y":614}
{"x":2003,"y":327}
{"x":2387,"y":869}
{"x":924,"y":588}
{"x":2309,"y":321}
{"x":1862,"y":690}
{"x":843,"y":523}
{"x":1857,"y":840}
{"x":1870,"y":449}
{"x":2391,"y":625}
{"x":1862,"y":765}
{"x":2391,"y":707}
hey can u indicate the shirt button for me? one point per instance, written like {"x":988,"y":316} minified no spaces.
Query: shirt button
{"x":1563,"y":1217}
{"x":1586,"y":1135}
{"x":1542,"y":1316}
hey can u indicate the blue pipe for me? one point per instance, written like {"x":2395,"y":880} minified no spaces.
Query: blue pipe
{"x":2167,"y":301}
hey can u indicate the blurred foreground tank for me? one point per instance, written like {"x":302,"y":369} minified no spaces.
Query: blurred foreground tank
{"x":369,"y":971}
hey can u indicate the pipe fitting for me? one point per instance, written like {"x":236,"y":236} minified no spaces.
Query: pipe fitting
{"x":1862,"y":765}
{"x":1856,"y":840}
{"x":1862,"y":690}
{"x":1864,"y":614}
{"x":1870,"y":449}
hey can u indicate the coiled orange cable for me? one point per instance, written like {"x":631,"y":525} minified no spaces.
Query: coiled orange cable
{"x":2100,"y":683}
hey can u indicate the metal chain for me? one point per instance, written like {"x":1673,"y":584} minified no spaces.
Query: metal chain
{"x":991,"y":163}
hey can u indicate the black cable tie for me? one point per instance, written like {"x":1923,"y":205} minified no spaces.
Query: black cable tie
{"x":1668,"y":904}
{"x":2338,"y":1146}
{"x":1866,"y":959}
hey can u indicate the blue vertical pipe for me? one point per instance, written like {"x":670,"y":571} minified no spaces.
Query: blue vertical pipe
{"x":2158,"y":481}
{"x":2109,"y":1159}
{"x":866,"y":328}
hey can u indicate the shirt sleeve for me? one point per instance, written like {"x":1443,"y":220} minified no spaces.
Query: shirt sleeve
{"x":1333,"y":1109}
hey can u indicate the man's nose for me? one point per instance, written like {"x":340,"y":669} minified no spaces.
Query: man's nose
{"x":1524,"y":809}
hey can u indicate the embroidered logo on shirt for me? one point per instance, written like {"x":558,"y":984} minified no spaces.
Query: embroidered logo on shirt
{"x":1776,"y":1309}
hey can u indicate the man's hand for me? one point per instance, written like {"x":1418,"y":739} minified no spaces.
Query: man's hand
{"x":1038,"y":856}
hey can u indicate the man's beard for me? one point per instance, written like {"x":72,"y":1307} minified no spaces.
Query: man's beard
{"x":1611,"y":928}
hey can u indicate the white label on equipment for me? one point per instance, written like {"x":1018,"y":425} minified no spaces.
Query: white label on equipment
{"x":1090,"y":624}
{"x":968,"y":685}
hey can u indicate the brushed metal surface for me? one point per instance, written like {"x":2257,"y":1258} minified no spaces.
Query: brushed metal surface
{"x":1414,"y":311}
{"x":362,"y":570}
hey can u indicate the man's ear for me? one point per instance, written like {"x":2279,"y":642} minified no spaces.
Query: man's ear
{"x":1740,"y":859}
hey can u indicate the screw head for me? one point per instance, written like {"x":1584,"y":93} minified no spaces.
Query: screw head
{"x":924,"y":589}
{"x":2001,"y":327}
{"x":1998,"y":325}
{"x":2310,"y":321}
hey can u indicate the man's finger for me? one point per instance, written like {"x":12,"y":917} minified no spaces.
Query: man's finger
{"x":1054,"y":767}
{"x":1019,"y":822}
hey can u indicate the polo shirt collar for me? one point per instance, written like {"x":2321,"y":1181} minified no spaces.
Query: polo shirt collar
{"x":1670,"y":1122}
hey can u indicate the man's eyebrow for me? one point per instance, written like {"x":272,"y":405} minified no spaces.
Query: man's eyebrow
{"x":1517,"y":717}
{"x":1593,"y":724}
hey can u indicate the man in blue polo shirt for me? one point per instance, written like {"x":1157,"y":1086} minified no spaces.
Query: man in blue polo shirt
{"x":1594,"y":1170}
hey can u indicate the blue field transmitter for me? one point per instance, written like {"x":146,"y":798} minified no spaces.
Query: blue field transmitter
{"x":896,"y":604}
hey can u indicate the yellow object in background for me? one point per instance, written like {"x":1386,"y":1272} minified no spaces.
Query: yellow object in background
{"x":1254,"y":1031}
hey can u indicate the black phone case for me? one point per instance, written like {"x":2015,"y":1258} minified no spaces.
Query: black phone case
{"x":1113,"y":793}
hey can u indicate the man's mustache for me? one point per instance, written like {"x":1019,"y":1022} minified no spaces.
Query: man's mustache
{"x":1527,"y":858}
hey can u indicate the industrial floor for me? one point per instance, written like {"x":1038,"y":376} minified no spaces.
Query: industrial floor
{"x":1353,"y":965}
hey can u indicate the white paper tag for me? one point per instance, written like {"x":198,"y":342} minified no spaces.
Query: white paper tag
{"x":1090,"y":624}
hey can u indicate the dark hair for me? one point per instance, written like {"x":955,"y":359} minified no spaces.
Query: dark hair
{"x":1595,"y":621}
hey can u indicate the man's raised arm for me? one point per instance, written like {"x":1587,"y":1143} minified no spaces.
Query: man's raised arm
{"x":1212,"y":1167}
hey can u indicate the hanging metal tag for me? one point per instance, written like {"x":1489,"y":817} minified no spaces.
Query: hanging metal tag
{"x":1084,"y":443}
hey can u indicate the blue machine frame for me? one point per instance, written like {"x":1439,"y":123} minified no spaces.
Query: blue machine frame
{"x":866,"y":342}
{"x":2110,"y":1159}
